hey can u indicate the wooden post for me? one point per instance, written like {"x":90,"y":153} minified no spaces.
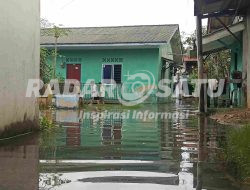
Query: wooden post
{"x":200,"y":62}
{"x":205,"y":92}
{"x":245,"y":65}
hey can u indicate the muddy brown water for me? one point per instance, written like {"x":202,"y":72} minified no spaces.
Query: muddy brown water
{"x":119,"y":152}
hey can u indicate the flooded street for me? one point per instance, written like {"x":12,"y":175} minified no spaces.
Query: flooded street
{"x":119,"y":153}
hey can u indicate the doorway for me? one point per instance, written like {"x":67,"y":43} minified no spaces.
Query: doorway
{"x":74,"y":71}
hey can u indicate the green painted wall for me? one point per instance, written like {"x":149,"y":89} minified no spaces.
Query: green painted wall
{"x":166,"y":52}
{"x":134,"y":60}
{"x":236,"y":64}
{"x":236,"y":49}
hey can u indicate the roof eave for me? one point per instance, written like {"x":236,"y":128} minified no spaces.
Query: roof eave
{"x":212,"y":42}
{"x":105,"y":45}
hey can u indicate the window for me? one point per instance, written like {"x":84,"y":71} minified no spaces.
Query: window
{"x":112,"y":72}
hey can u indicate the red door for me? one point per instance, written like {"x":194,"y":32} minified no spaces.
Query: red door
{"x":74,"y":71}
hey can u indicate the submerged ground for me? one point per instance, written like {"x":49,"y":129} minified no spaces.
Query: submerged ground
{"x":237,"y":117}
{"x":120,"y":152}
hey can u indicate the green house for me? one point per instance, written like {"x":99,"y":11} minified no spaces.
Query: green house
{"x":115,"y":53}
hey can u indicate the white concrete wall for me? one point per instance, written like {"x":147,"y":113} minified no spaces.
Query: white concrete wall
{"x":19,"y":58}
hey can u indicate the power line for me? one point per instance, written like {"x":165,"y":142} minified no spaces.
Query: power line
{"x":67,"y":4}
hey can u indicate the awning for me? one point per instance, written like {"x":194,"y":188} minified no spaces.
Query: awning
{"x":222,"y":39}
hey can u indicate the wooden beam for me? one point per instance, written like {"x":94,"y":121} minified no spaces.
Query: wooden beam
{"x":228,"y":29}
{"x":219,"y":14}
{"x":200,"y":63}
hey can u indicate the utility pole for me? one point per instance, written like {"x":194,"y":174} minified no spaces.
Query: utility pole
{"x":202,"y":106}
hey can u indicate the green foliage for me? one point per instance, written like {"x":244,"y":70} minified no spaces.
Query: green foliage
{"x":46,"y":125}
{"x":45,"y":23}
{"x":48,"y":137}
{"x":192,"y":76}
{"x":217,"y":65}
{"x":189,"y":40}
{"x":49,"y":29}
{"x":60,"y":77}
{"x":45,"y":69}
{"x":238,"y":152}
{"x":55,"y":31}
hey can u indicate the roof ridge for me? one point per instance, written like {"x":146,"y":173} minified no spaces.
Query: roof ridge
{"x":118,"y":26}
{"x":119,"y":34}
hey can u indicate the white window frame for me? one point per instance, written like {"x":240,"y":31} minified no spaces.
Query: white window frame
{"x":112,"y":74}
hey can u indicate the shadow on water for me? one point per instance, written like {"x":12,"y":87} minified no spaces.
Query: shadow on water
{"x":19,"y":162}
{"x":123,"y":152}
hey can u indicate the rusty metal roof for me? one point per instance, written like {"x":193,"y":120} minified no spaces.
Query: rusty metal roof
{"x":115,"y":35}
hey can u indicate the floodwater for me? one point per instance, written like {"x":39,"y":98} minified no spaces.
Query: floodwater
{"x":119,"y":152}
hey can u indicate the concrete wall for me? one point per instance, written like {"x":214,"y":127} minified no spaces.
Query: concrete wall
{"x":246,"y":60}
{"x":19,"y":57}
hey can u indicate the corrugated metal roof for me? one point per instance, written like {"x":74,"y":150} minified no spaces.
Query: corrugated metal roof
{"x":115,"y":35}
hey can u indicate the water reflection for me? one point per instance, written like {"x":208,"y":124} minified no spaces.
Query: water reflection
{"x":19,"y":164}
{"x":126,"y":153}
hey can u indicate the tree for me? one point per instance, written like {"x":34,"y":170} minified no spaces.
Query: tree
{"x":188,"y":41}
{"x":50,"y":29}
{"x":217,"y":65}
{"x":45,"y":23}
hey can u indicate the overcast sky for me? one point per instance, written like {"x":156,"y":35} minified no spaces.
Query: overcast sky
{"x":78,"y":13}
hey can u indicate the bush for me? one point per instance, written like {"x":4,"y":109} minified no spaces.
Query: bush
{"x":238,"y":152}
{"x":46,"y":125}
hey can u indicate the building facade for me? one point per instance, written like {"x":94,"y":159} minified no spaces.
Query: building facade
{"x":19,"y":52}
{"x":229,"y":29}
{"x":221,"y":39}
{"x":103,"y":54}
